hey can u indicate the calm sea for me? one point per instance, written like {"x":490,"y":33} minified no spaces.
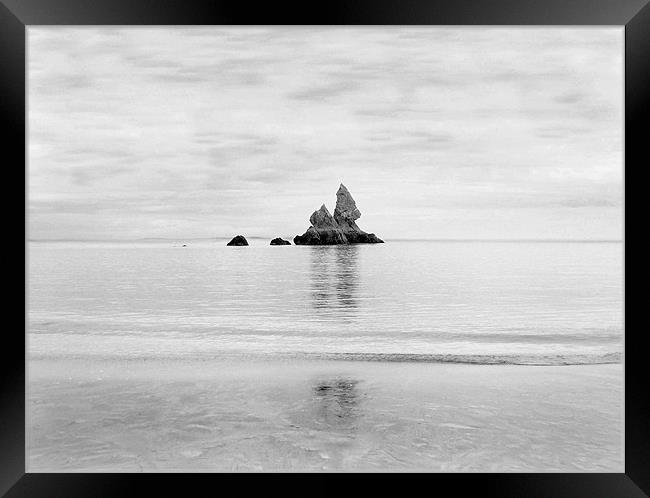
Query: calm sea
{"x":477,"y":302}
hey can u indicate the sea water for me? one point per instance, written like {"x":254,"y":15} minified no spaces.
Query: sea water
{"x":406,"y":356}
{"x":456,"y":301}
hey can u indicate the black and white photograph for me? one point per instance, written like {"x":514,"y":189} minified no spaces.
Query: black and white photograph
{"x":325,"y":249}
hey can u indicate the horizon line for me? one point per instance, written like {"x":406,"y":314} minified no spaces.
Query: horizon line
{"x":396,"y":239}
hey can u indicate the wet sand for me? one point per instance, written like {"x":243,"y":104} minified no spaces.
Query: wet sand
{"x":121,"y":415}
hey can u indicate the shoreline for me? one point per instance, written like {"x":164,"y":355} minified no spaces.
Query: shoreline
{"x":453,"y":359}
{"x":312,"y":416}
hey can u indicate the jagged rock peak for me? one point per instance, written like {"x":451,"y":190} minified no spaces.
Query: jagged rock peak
{"x":322,"y":218}
{"x":323,"y":230}
{"x":341,"y":228}
{"x":346,"y":209}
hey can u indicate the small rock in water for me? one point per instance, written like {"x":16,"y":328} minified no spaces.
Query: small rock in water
{"x":280,"y":242}
{"x":238,"y":240}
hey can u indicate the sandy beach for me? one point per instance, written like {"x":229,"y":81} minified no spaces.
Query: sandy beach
{"x":198,"y":415}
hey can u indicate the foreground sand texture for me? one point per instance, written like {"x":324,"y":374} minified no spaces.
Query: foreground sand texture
{"x":273,"y":415}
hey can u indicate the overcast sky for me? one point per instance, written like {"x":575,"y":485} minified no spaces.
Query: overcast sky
{"x":437,"y":132}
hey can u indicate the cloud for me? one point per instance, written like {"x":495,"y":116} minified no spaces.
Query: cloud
{"x":318,"y":93}
{"x":187,"y":131}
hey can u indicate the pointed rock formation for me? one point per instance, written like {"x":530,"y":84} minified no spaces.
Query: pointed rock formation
{"x":280,"y":242}
{"x":238,"y":240}
{"x":345,"y":215}
{"x":346,"y":211}
{"x":323,"y":230}
{"x":341,"y":228}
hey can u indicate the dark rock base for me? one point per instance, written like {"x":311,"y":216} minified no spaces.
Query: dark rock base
{"x":280,"y":242}
{"x":362,"y":238}
{"x":322,"y":237}
{"x":314,"y":237}
{"x":238,"y":240}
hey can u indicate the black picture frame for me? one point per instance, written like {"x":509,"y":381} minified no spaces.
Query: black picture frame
{"x":634,"y":15}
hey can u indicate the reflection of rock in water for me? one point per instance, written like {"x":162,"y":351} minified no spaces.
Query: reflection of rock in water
{"x":347,"y":276}
{"x":335,"y":277}
{"x":337,"y":402}
{"x":320,"y":277}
